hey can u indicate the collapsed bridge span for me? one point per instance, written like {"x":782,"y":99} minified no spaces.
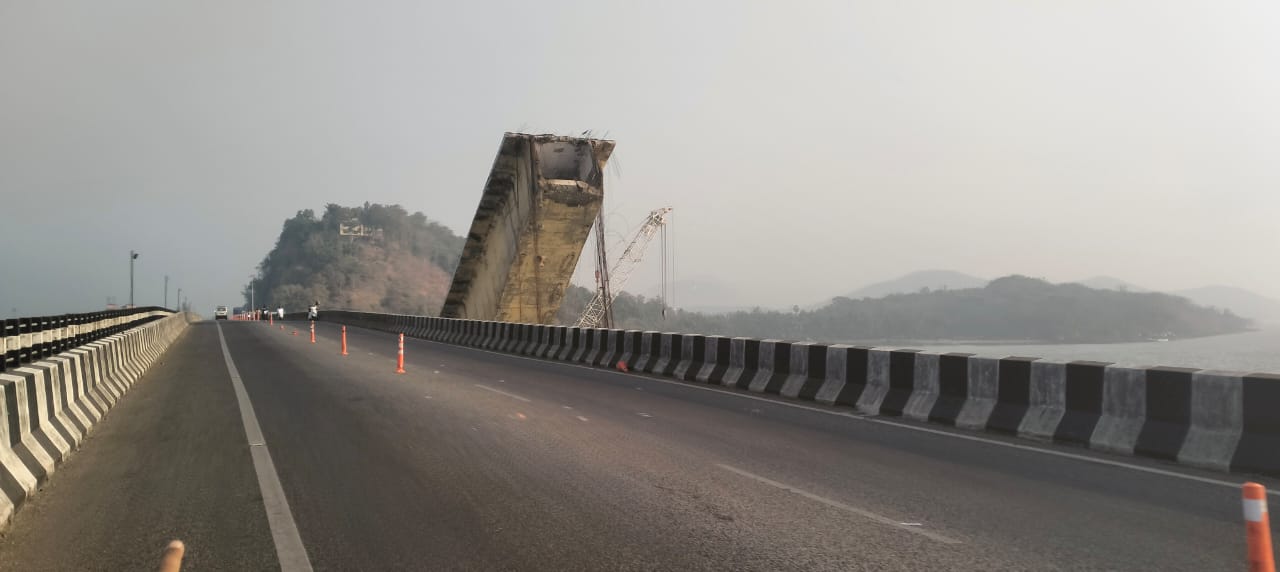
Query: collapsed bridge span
{"x":539,"y":202}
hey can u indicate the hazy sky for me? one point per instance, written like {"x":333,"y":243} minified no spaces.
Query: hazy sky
{"x":808,"y":147}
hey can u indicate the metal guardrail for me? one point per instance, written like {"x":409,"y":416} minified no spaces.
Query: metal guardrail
{"x":26,"y":340}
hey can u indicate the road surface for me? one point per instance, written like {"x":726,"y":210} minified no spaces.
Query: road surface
{"x":481,"y":461}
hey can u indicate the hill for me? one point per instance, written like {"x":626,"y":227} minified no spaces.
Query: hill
{"x":1238,"y":300}
{"x":403,"y":264}
{"x":1009,"y":308}
{"x":1112,"y":283}
{"x":913,"y":282}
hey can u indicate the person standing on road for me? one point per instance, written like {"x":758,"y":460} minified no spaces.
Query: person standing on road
{"x":314,"y":311}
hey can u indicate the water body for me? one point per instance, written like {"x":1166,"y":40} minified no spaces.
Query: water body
{"x":1257,"y":351}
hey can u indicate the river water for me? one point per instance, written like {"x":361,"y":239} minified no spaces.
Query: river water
{"x":1257,"y":351}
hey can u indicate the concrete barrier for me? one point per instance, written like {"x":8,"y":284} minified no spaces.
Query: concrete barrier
{"x":47,"y":408}
{"x":650,"y":347}
{"x":1218,"y":420}
{"x":924,"y":393}
{"x":669,"y":357}
{"x":1124,"y":409}
{"x":716,"y":360}
{"x":1046,"y":400}
{"x":1260,"y":435}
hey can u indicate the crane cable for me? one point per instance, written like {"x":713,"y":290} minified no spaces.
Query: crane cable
{"x":663,"y":279}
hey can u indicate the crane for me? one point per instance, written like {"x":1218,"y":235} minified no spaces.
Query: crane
{"x":617,"y":275}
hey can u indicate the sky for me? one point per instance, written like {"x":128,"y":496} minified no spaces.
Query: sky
{"x":808,"y":148}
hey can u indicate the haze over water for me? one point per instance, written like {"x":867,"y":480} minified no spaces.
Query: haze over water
{"x":1256,"y":351}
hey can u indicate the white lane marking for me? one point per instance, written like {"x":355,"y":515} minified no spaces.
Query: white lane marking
{"x":499,"y":391}
{"x":502,"y":381}
{"x":631,"y":377}
{"x":426,"y":397}
{"x":842,"y":506}
{"x":646,"y":415}
{"x":581,"y":418}
{"x":284,"y":531}
{"x":566,"y":407}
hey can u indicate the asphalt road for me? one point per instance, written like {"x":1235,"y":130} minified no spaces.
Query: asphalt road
{"x":480,"y":461}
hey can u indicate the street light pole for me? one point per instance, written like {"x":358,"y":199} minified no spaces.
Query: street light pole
{"x":132,"y":256}
{"x":179,"y":299}
{"x":166,"y":290}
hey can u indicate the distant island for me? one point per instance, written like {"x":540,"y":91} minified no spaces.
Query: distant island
{"x":1012,"y":308}
{"x":380,"y":258}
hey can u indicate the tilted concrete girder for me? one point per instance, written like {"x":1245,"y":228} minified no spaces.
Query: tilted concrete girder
{"x":541,"y":198}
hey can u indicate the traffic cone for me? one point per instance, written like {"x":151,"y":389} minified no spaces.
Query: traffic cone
{"x":1257,"y":527}
{"x":622,"y":366}
{"x":344,"y":340}
{"x":313,"y":332}
{"x":400,"y":358}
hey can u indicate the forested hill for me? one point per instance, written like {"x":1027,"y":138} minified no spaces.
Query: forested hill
{"x":1009,"y":308}
{"x":403,"y":263}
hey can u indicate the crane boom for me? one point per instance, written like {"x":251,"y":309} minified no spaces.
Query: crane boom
{"x":621,"y":270}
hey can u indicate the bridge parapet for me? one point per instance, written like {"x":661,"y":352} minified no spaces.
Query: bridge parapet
{"x":1217,"y":420}
{"x":24,"y":340}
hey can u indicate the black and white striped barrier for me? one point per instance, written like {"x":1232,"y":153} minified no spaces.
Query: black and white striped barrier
{"x":1212,"y":419}
{"x":49,"y":406}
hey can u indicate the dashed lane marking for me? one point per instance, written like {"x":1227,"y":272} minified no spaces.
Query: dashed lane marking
{"x":909,"y":527}
{"x":501,"y":392}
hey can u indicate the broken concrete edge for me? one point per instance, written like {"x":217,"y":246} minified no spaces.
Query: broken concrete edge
{"x":49,"y":407}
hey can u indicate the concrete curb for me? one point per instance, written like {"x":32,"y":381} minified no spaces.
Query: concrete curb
{"x":47,"y":408}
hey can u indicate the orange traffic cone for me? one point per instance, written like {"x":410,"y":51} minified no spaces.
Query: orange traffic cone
{"x":400,"y":358}
{"x":313,"y":332}
{"x":1257,"y":527}
{"x":622,"y":366}
{"x":344,"y":340}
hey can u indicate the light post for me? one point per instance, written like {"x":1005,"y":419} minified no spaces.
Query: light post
{"x":166,"y":290}
{"x":132,"y":256}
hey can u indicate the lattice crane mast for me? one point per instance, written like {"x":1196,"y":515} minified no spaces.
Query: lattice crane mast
{"x":621,"y":270}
